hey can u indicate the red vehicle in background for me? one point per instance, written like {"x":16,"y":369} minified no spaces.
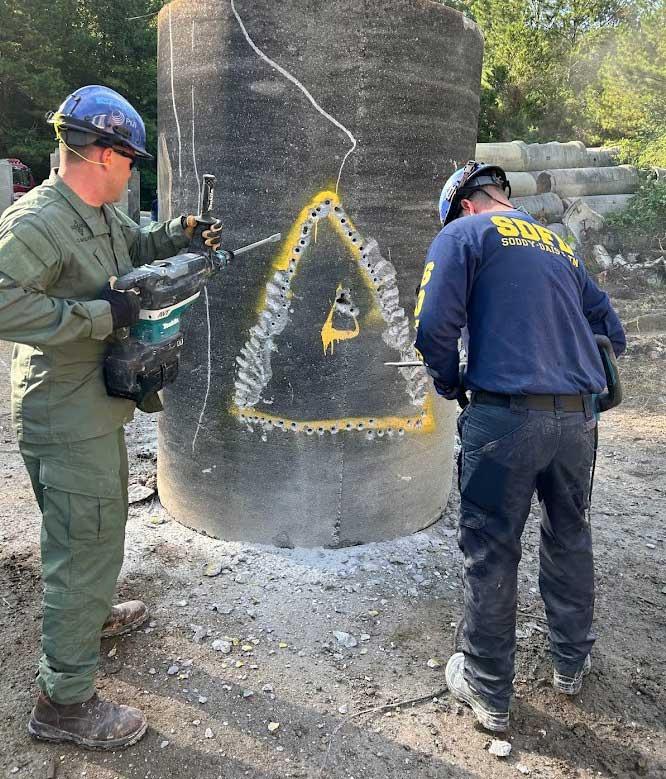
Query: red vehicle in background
{"x":23,"y":178}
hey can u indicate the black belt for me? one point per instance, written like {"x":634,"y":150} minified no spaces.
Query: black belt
{"x":532,"y":402}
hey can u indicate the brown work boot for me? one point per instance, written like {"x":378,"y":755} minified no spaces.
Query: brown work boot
{"x":125,"y":617}
{"x":94,"y":724}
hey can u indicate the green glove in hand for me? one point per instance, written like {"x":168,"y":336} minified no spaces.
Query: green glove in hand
{"x":125,"y":306}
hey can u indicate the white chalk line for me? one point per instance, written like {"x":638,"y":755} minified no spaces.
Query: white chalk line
{"x":173,"y":100}
{"x":205,"y":291}
{"x":194,"y":154}
{"x":208,"y":380}
{"x":303,"y":89}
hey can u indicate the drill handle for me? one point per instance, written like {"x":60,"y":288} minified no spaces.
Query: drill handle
{"x":205,"y":217}
{"x":207,"y":199}
{"x":130,"y":281}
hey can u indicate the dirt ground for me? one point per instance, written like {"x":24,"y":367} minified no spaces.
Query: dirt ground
{"x":289,"y":699}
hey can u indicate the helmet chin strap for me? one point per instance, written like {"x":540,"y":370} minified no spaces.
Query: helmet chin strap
{"x":481,"y":189}
{"x":498,"y":201}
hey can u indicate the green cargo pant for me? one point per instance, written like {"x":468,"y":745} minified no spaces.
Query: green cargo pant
{"x":81,"y":488}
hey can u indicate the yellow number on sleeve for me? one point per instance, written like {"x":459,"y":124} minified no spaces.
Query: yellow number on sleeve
{"x":419,"y":303}
{"x":427,"y":271}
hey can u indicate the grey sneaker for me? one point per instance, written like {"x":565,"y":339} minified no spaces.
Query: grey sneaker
{"x":570,"y":685}
{"x":455,"y":680}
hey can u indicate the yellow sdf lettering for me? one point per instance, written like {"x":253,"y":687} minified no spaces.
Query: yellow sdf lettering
{"x":505,"y":226}
{"x":545,"y":234}
{"x":527,"y":230}
{"x":564,"y":245}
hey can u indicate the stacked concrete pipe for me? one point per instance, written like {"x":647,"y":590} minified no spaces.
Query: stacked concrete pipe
{"x":547,"y":179}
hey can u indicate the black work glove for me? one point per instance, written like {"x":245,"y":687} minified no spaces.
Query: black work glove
{"x":446,"y":391}
{"x":125,"y":306}
{"x":210,"y":234}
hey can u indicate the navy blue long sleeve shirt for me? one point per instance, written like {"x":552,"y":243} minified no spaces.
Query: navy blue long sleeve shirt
{"x":530,"y":307}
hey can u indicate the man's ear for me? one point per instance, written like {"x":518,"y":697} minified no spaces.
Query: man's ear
{"x":105,"y":156}
{"x":467,"y":205}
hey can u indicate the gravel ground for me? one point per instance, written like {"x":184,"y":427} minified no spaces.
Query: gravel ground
{"x":266,"y":663}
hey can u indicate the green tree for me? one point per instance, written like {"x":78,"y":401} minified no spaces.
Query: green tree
{"x":536,"y":63}
{"x":49,"y":48}
{"x":628,"y":99}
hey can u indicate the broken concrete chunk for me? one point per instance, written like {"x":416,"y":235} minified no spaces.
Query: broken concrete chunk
{"x":139,"y":492}
{"x":499,"y":748}
{"x":214,"y":568}
{"x":579,"y":219}
{"x":345,"y":639}
{"x":602,"y":257}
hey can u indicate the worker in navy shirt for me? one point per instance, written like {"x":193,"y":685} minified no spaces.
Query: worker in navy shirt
{"x":530,"y":311}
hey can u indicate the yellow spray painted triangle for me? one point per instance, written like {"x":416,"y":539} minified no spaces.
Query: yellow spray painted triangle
{"x":254,"y":362}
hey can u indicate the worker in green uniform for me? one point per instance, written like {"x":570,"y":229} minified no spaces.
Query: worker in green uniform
{"x":59,"y":247}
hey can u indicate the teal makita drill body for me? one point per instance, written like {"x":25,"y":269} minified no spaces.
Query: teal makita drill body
{"x":145,"y":357}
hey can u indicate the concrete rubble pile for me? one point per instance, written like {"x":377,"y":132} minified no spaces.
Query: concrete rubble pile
{"x":652,"y":272}
{"x":568,"y":186}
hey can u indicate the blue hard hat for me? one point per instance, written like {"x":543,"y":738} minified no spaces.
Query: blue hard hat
{"x":465,"y":181}
{"x":97,"y":114}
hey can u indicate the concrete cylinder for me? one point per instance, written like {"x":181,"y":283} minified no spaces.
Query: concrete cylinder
{"x":602,"y":156}
{"x":581,"y":182}
{"x":559,"y":229}
{"x":6,"y":185}
{"x":134,"y":196}
{"x":510,"y":155}
{"x":520,"y":156}
{"x":333,"y":125}
{"x":525,"y":184}
{"x":546,"y":208}
{"x":604,"y":204}
{"x":572,"y":154}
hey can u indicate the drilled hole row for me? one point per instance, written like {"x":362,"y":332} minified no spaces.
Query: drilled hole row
{"x":370,"y":425}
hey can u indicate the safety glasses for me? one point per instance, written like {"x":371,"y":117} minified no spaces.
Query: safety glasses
{"x":131,"y":157}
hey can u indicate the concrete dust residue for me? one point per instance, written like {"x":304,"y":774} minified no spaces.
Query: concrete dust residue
{"x":256,"y":659}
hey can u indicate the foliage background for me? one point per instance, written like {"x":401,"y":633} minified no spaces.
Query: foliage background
{"x":593,"y":70}
{"x":49,"y":48}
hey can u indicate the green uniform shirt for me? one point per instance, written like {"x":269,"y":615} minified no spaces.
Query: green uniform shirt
{"x":56,"y":255}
